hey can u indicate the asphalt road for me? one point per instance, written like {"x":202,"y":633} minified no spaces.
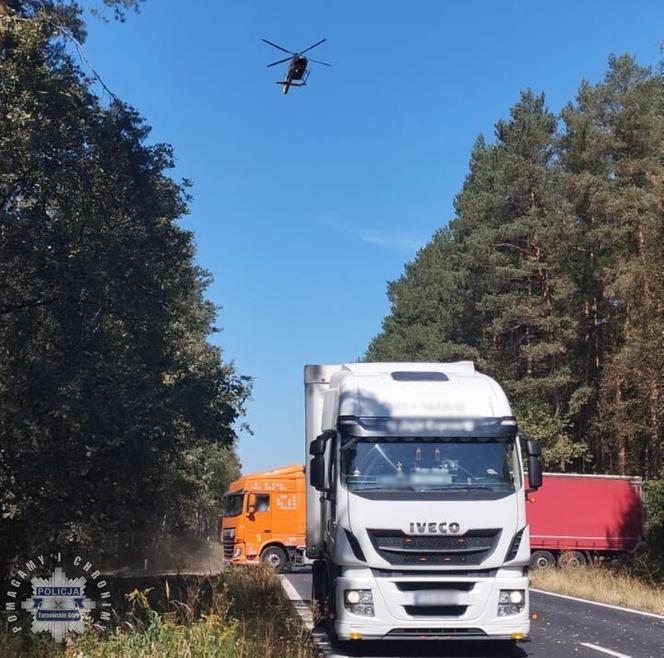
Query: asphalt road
{"x":564,"y":628}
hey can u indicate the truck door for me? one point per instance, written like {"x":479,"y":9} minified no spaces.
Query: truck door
{"x":259,"y":527}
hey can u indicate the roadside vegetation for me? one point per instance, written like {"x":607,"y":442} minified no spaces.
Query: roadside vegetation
{"x":242,"y":613}
{"x":104,"y":323}
{"x":631,"y":589}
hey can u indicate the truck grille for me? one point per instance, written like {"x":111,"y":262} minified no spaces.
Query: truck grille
{"x":435,"y":610}
{"x":398,"y":548}
{"x":436,"y":633}
{"x":425,"y":585}
{"x":228,"y":542}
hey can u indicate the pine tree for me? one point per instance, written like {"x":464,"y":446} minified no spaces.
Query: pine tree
{"x":493,"y":286}
{"x":551,"y":276}
{"x":512,"y":220}
{"x":432,"y":316}
{"x":612,"y":152}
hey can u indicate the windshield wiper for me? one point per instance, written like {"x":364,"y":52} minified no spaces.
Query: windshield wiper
{"x":464,"y":487}
{"x":407,"y":488}
{"x":349,"y":444}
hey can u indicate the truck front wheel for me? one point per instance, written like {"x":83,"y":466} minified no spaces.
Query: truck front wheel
{"x":275,"y":557}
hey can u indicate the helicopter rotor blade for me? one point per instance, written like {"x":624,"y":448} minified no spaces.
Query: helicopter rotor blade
{"x":310,"y":47}
{"x":311,"y":59}
{"x":281,"y":61}
{"x":274,"y":45}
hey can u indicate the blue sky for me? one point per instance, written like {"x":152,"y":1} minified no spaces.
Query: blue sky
{"x":306,"y":205}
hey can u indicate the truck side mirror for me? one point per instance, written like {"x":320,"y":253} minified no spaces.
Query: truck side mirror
{"x":251,"y":504}
{"x":534,"y":464}
{"x":317,"y":446}
{"x":533,"y":448}
{"x":317,"y":465}
{"x":317,"y":472}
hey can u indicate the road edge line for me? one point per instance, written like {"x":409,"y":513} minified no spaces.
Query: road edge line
{"x":608,"y":652}
{"x":653,"y":615}
{"x":303,"y":611}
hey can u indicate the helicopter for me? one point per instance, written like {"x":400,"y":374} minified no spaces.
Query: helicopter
{"x":297,"y":73}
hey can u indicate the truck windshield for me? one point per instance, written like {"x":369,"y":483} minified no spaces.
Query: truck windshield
{"x":233,"y":504}
{"x":419,"y":465}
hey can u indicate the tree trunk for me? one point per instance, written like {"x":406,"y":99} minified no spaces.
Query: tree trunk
{"x":653,"y":453}
{"x":621,"y":449}
{"x":3,"y":13}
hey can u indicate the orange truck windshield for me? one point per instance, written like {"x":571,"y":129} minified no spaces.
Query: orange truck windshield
{"x":233,"y":504}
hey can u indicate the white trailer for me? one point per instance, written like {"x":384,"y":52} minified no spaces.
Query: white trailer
{"x":416,"y":512}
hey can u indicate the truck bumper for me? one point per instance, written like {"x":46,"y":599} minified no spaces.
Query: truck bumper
{"x":419,"y":606}
{"x":242,"y":560}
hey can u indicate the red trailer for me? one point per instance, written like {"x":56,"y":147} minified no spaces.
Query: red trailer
{"x":576,"y":518}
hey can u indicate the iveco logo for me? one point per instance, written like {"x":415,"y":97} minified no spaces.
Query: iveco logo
{"x":431,"y":528}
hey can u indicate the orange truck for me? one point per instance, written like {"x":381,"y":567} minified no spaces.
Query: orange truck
{"x":264,"y":519}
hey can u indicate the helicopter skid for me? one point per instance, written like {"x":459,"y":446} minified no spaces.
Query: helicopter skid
{"x":292,"y":84}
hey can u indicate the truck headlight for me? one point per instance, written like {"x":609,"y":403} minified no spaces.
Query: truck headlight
{"x":237,"y":551}
{"x":511,"y":602}
{"x":359,"y":602}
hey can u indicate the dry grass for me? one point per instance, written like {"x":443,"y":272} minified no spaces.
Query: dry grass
{"x":241,"y":613}
{"x":602,"y":584}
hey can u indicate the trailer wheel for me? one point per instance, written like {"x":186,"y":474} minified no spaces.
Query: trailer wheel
{"x":542,"y":560}
{"x":571,"y":560}
{"x":275,"y":557}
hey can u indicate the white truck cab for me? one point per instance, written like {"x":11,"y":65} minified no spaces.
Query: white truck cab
{"x":416,"y":513}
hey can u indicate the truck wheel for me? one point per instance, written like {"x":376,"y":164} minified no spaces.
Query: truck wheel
{"x":542,"y":560}
{"x":571,"y":560}
{"x":275,"y":557}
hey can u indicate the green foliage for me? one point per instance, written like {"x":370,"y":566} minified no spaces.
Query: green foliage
{"x":121,"y":7}
{"x":206,"y":637}
{"x":611,"y":150}
{"x":650,"y":562}
{"x":550,"y":276}
{"x":118,"y":416}
{"x":242,"y":613}
{"x":431,"y":318}
{"x":559,"y":450}
{"x":65,"y":15}
{"x":654,"y":512}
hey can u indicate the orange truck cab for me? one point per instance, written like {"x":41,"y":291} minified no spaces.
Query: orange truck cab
{"x":264,"y":519}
